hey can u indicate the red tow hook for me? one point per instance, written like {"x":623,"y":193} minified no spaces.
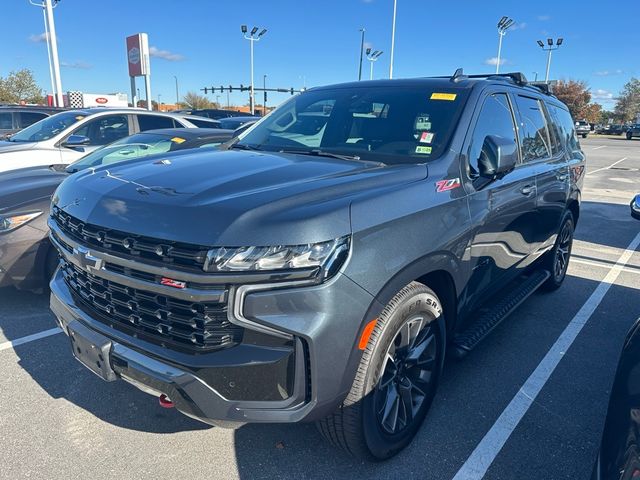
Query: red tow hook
{"x":165,"y":402}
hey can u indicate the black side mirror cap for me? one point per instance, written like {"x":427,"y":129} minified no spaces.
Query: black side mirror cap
{"x":499,"y":156}
{"x":76,"y":141}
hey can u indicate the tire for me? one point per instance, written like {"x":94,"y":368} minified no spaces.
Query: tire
{"x":373,"y":422}
{"x":629,"y":136}
{"x":584,"y":135}
{"x":557,"y":260}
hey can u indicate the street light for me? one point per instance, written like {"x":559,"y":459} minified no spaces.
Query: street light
{"x":372,"y":57}
{"x":52,"y":48}
{"x":393,"y":37}
{"x":264,"y":89}
{"x":252,"y":37}
{"x":159,"y":95}
{"x":503,"y":25}
{"x":549,"y":48}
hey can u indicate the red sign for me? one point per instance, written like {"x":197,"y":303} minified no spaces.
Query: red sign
{"x":101,"y":100}
{"x":138,"y":54}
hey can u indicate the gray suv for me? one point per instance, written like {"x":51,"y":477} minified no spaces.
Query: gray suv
{"x":320,"y":268}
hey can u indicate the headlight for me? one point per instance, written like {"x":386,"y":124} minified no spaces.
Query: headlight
{"x":326,"y":255}
{"x":11,"y":222}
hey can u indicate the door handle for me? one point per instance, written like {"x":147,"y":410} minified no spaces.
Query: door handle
{"x":527,"y":190}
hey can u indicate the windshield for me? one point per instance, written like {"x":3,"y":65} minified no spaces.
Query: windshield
{"x":391,"y":125}
{"x":48,"y":127}
{"x":128,"y":148}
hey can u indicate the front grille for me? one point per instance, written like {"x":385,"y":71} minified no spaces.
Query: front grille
{"x":160,"y":319}
{"x":168,"y":253}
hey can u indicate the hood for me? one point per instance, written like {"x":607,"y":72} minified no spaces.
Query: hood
{"x":25,"y":185}
{"x":6,"y":146}
{"x":230,"y":198}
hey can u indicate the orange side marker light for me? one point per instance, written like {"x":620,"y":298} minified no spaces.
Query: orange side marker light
{"x":366,"y":333}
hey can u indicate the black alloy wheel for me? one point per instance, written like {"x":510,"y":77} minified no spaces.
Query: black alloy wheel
{"x":410,"y":363}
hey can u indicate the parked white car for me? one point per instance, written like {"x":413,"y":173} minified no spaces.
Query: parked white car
{"x":65,"y":137}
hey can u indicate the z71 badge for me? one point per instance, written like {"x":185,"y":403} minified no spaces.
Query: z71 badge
{"x":449,"y":184}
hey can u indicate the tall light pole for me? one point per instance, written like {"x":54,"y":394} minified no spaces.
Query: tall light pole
{"x":535,"y":76}
{"x":52,"y":47}
{"x":159,"y":95}
{"x":361,"y":52}
{"x":177,"y":93}
{"x":549,"y":48}
{"x":393,"y":37}
{"x":503,"y":25}
{"x":252,"y":37}
{"x":372,"y":57}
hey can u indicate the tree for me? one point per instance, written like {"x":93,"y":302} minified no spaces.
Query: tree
{"x":628,"y":104}
{"x":195,"y":101}
{"x":575,"y":95}
{"x":19,"y":87}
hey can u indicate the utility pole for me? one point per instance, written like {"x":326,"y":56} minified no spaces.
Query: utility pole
{"x":503,"y":26}
{"x":393,"y":37}
{"x":361,"y":51}
{"x":177,"y":94}
{"x":252,"y":37}
{"x":52,"y":47}
{"x":264,"y":101}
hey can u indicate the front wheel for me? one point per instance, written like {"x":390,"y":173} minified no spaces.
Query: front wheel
{"x":557,"y":260}
{"x":584,"y":135}
{"x":629,"y":135}
{"x":396,"y":379}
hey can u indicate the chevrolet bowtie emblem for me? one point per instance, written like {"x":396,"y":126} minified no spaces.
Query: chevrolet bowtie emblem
{"x":85,"y":260}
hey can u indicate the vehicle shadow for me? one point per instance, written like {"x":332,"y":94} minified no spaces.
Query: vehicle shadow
{"x":51,"y":365}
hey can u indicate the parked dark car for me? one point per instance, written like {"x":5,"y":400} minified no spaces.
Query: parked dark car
{"x":633,"y":131}
{"x":318,"y":268}
{"x":27,"y":259}
{"x":214,"y":113}
{"x":15,"y":118}
{"x":616,"y":129}
{"x":233,"y":123}
{"x":619,"y":456}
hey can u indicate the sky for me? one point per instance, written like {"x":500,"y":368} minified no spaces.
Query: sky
{"x":311,"y":43}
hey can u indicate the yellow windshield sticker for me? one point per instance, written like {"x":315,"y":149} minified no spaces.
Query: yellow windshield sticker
{"x":178,"y":140}
{"x":79,"y":117}
{"x":423,"y":149}
{"x":443,"y":96}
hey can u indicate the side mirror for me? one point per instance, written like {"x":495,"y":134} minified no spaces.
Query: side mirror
{"x":76,"y":141}
{"x":498,"y":157}
{"x":635,"y":207}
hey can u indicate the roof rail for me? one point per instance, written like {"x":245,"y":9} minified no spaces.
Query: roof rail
{"x":544,"y":87}
{"x":516,"y":77}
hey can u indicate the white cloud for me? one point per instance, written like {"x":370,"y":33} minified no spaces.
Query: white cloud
{"x":519,"y":26}
{"x":79,"y":64}
{"x":165,"y":54}
{"x":39,"y":38}
{"x":494,"y":61}
{"x":544,"y":18}
{"x":606,"y":73}
{"x":601,"y":94}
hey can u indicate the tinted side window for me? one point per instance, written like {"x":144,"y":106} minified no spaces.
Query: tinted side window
{"x":495,"y":119}
{"x":29,"y":118}
{"x":5,"y":121}
{"x":562,"y":117}
{"x":104,"y":130}
{"x":555,"y":132}
{"x":534,"y":137}
{"x":152,"y":122}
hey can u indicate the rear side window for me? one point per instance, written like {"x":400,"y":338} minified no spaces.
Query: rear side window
{"x":6,"y":123}
{"x":29,"y":118}
{"x":201,"y":123}
{"x":568,"y":138}
{"x":555,"y":132}
{"x":153,"y":122}
{"x":104,"y":130}
{"x":495,"y":119}
{"x":534,"y":137}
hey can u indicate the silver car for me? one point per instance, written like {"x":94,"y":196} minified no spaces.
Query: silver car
{"x":65,"y":137}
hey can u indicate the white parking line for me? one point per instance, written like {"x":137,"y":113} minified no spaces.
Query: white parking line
{"x":596,"y":263}
{"x":487,"y":450}
{"x":598,"y":148}
{"x":606,"y":168}
{"x":29,"y":338}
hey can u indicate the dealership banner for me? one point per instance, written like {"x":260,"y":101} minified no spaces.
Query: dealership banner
{"x":138,"y":54}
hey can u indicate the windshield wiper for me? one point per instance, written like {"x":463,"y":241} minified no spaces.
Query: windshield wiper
{"x":244,"y":146}
{"x":323,"y":153}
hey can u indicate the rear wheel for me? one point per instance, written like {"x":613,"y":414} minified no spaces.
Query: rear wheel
{"x":557,"y":260}
{"x":584,"y":135}
{"x":396,"y":379}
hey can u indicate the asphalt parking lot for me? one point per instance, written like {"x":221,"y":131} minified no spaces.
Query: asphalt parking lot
{"x":58,"y":420}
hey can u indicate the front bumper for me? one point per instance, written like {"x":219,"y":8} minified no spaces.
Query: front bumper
{"x":302,"y":375}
